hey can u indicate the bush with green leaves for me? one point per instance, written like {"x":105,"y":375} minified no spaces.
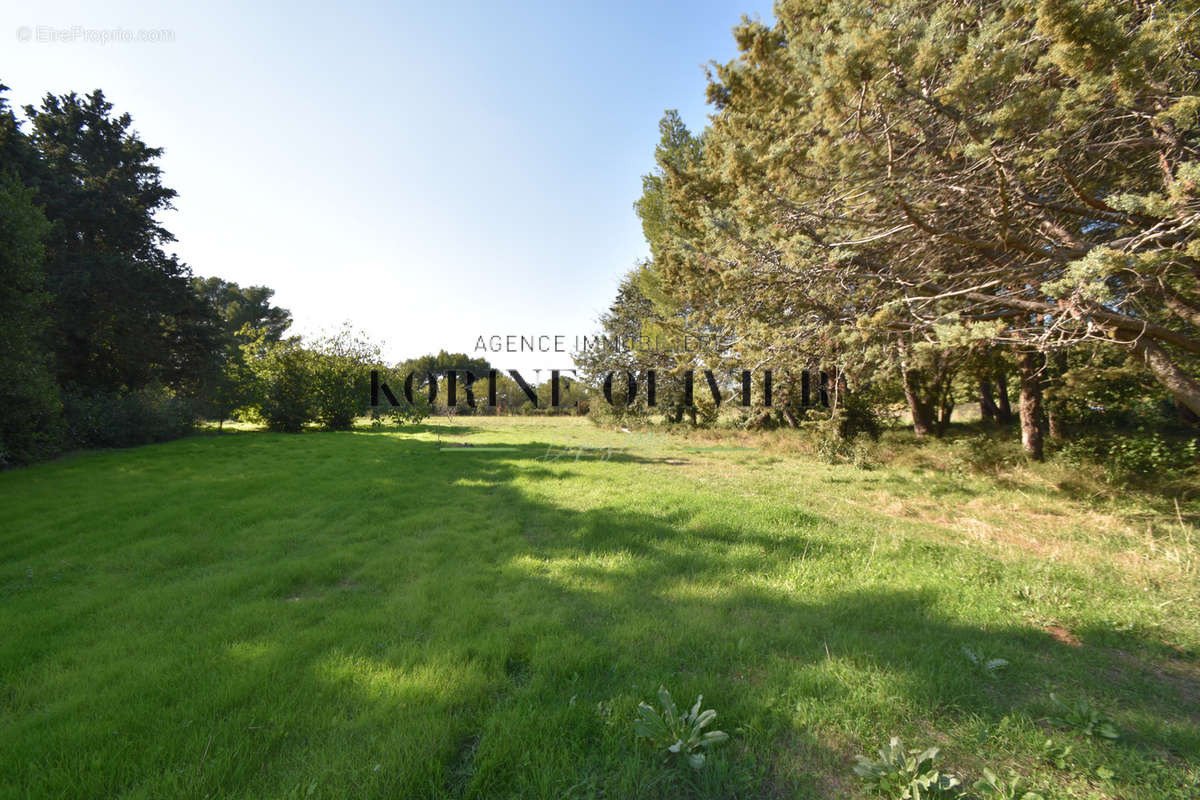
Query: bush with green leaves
{"x":986,"y":453}
{"x":832,"y":448}
{"x":401,"y":415}
{"x":860,"y":413}
{"x":1055,"y":754}
{"x":282,"y":374}
{"x":989,"y":667}
{"x":905,"y":774}
{"x":1107,"y":389}
{"x":992,"y":787}
{"x":1085,"y":717}
{"x":341,"y":378}
{"x":682,"y":736}
{"x":1134,"y":455}
{"x":326,"y":381}
{"x":126,"y":419}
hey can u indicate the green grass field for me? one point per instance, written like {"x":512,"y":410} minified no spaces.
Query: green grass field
{"x":388,"y":614}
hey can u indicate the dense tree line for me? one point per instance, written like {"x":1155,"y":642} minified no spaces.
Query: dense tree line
{"x":104,"y":312}
{"x":107,"y":339}
{"x":940,"y":201}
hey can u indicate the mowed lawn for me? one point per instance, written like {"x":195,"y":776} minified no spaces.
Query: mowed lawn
{"x":389,"y":614}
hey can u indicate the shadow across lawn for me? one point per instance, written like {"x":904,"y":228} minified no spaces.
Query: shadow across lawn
{"x":366,"y":615}
{"x":433,"y":427}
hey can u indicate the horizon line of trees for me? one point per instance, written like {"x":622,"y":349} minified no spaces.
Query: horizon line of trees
{"x":106,"y":339}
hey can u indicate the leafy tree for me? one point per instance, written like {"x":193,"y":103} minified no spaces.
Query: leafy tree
{"x":244,"y":313}
{"x":326,"y":381}
{"x":124,"y":312}
{"x":876,"y":175}
{"x":245,"y":316}
{"x":619,"y":349}
{"x":29,"y":402}
{"x":442,"y":363}
{"x":341,"y":365}
{"x":656,"y":323}
{"x":282,"y":381}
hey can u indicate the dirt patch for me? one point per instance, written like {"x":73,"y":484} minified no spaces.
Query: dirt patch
{"x":1062,"y":635}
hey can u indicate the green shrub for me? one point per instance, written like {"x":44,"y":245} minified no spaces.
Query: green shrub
{"x":327,"y":381}
{"x":859,"y":414}
{"x":1134,"y":456}
{"x":617,"y":414}
{"x":989,"y":667}
{"x":992,"y":787}
{"x":126,"y":419}
{"x":984,"y":453}
{"x":834,"y":445}
{"x":905,"y":774}
{"x":1084,"y":717}
{"x":401,"y":415}
{"x":832,"y":448}
{"x":30,"y":419}
{"x":1111,"y":394}
{"x":282,"y":384}
{"x":340,"y":374}
{"x":680,"y":735}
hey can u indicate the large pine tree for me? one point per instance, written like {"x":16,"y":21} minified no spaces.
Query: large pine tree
{"x":124,"y":310}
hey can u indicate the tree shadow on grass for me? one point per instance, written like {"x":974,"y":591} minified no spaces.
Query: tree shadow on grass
{"x":644,"y":578}
{"x":436,"y":615}
{"x":522,"y":455}
{"x":444,"y":428}
{"x":898,"y":630}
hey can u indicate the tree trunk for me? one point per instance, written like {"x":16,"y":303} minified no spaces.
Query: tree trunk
{"x":1031,"y":404}
{"x":1003,"y":407}
{"x":1179,"y":308}
{"x":1054,"y":407}
{"x":987,"y":401}
{"x":944,"y":412}
{"x":1183,"y":386}
{"x":1054,"y":425}
{"x":841,"y":388}
{"x":1186,"y":415}
{"x":922,"y":410}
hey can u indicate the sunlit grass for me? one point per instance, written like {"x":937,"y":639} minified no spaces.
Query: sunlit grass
{"x":376,"y":614}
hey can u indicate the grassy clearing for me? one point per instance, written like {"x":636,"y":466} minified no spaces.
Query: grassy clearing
{"x":383,"y":614}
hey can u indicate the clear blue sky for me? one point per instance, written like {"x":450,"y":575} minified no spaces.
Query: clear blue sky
{"x":428,"y":172}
